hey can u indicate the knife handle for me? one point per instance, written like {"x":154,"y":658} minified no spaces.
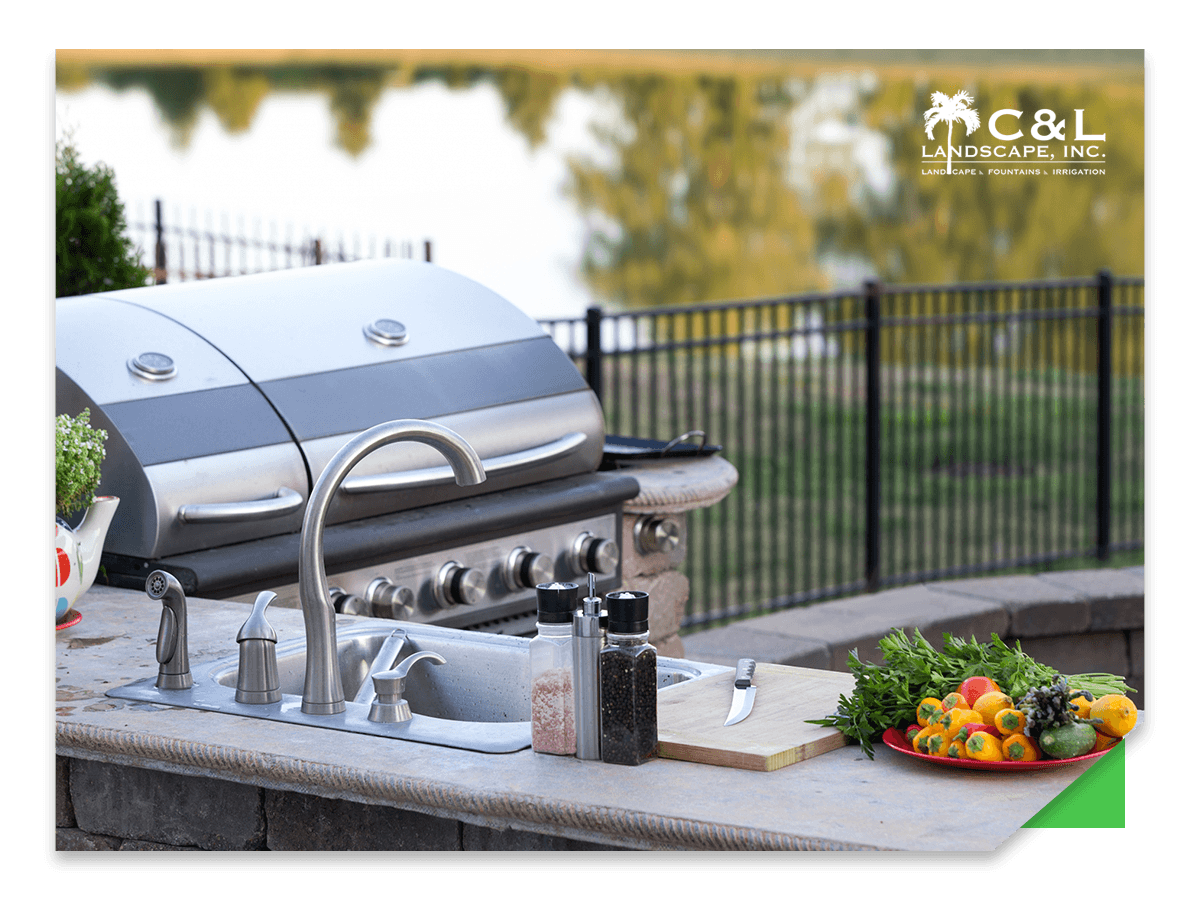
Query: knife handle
{"x":743,"y":673}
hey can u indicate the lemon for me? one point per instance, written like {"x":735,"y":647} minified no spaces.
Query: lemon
{"x":991,"y":703}
{"x":1116,"y":713}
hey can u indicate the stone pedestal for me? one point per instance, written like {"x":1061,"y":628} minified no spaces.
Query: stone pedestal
{"x":655,"y":535}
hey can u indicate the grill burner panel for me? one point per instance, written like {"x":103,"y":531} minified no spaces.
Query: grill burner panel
{"x":420,"y":574}
{"x":410,"y":548}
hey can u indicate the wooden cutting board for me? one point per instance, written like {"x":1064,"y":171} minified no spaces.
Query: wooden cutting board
{"x":691,"y":719}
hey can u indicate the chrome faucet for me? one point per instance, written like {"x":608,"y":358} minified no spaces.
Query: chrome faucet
{"x":322,"y":683}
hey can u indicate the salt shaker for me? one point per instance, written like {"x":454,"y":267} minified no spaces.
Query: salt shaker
{"x":551,"y":664}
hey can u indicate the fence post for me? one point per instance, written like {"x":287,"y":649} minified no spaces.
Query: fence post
{"x":429,"y":251}
{"x":874,"y":436}
{"x":592,"y":356}
{"x":1104,"y":403}
{"x":316,"y":251}
{"x":160,"y":248}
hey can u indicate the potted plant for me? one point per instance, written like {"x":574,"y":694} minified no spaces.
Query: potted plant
{"x":78,"y":454}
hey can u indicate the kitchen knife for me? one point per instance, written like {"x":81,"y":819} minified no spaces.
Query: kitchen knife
{"x":743,"y":692}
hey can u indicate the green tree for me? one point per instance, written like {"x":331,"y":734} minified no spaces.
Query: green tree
{"x":92,"y":251}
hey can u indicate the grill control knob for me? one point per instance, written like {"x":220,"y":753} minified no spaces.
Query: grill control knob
{"x":591,"y":553}
{"x":348,"y":604}
{"x":526,"y":569}
{"x":389,"y":600}
{"x":458,"y":584}
{"x":656,"y":534}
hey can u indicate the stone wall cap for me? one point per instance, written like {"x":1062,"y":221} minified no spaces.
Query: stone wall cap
{"x":1007,"y":588}
{"x":1098,"y":584}
{"x":863,"y":618}
{"x":680,"y":485}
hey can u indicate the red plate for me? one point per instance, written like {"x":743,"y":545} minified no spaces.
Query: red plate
{"x":895,"y":739}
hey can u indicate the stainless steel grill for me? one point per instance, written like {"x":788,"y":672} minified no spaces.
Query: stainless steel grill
{"x":224,"y":400}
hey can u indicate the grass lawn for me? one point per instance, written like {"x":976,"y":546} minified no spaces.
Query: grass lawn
{"x":983,"y":469}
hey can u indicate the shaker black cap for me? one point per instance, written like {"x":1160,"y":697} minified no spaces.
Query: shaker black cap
{"x":556,"y":602}
{"x":628,"y":611}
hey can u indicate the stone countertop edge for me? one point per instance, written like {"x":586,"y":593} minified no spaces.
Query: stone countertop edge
{"x":680,"y":485}
{"x":631,"y":829}
{"x":664,"y":805}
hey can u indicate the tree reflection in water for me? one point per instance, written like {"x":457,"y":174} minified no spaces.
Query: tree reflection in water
{"x":713,"y":185}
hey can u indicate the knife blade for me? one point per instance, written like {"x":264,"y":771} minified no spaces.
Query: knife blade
{"x":743,"y":692}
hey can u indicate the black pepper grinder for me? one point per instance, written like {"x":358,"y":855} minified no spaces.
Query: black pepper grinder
{"x":628,"y":682}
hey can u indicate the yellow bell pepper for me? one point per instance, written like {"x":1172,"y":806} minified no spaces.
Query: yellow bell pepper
{"x":1019,"y":748}
{"x":939,"y":744}
{"x":958,"y":717}
{"x":926,"y":708}
{"x":984,"y":747}
{"x":955,"y":700}
{"x":1010,"y":721}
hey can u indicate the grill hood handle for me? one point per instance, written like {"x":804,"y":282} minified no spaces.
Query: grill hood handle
{"x":282,"y":502}
{"x":437,"y":475}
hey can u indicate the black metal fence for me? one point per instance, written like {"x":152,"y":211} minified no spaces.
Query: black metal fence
{"x":179,"y":252}
{"x":890,"y":434}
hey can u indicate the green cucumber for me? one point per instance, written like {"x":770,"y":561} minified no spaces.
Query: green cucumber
{"x":1066,"y":741}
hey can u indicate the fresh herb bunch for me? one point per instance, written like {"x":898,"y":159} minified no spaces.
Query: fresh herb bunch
{"x":886,"y":696}
{"x":78,"y":453}
{"x":1049,"y":706}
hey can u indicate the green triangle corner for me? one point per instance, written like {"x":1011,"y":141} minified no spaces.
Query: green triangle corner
{"x":1096,"y":799}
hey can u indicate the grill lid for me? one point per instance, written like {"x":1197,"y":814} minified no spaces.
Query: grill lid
{"x":224,"y":399}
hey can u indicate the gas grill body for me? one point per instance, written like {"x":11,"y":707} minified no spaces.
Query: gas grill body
{"x":224,"y":400}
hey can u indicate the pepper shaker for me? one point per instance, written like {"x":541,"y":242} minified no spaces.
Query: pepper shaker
{"x":628,"y":682}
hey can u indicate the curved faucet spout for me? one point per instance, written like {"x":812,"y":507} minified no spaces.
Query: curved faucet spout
{"x":322,"y":682}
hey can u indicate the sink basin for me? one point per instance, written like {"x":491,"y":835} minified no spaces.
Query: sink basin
{"x":478,"y":700}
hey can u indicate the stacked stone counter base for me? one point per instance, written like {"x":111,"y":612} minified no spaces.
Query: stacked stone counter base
{"x":100,"y":806}
{"x":1079,"y":621}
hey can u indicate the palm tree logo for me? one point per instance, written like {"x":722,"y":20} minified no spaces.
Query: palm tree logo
{"x":950,"y":110}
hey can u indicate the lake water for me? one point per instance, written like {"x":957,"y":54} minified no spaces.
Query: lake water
{"x":443,"y":166}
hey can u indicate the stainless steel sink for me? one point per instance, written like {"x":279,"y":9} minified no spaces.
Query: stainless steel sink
{"x":478,"y":700}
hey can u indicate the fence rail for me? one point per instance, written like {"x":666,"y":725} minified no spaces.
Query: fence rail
{"x":890,"y":434}
{"x":178,"y":252}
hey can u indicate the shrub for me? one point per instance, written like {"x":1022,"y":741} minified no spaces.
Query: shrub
{"x":78,"y":453}
{"x":92,"y":251}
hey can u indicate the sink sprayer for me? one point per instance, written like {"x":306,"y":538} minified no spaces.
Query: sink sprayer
{"x":171,"y":650}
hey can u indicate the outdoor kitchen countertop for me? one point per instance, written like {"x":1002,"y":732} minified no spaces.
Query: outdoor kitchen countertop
{"x":841,"y":800}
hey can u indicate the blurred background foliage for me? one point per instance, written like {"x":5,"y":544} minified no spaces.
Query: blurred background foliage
{"x":751,"y":174}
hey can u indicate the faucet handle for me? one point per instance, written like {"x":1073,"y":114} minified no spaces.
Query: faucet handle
{"x":256,"y":627}
{"x":389,"y":704}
